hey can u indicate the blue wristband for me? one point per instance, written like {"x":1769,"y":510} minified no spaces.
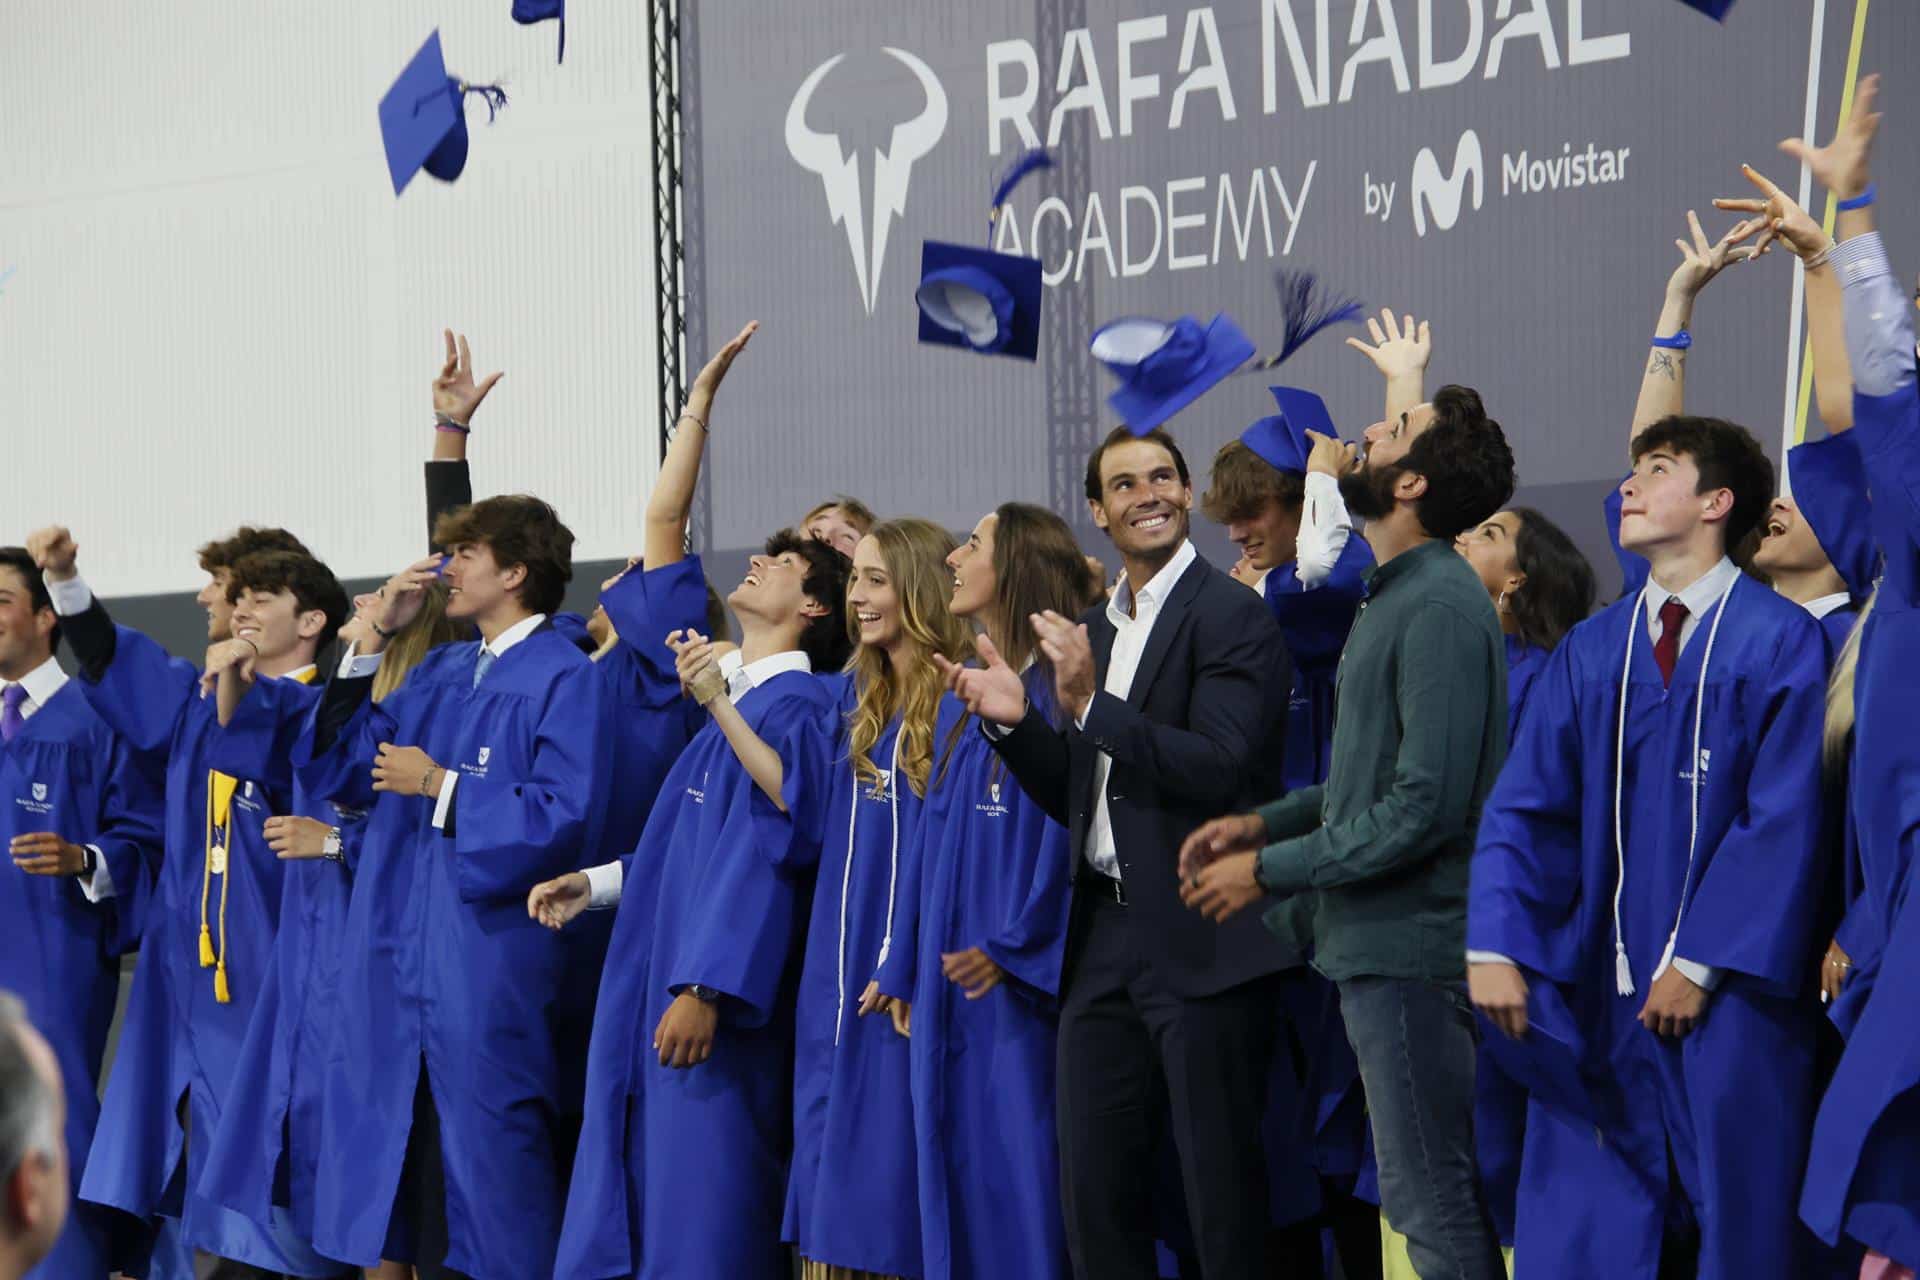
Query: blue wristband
{"x":1860,"y":201}
{"x":1678,"y":342}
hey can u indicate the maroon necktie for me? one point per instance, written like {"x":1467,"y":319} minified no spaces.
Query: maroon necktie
{"x":1666,"y":650}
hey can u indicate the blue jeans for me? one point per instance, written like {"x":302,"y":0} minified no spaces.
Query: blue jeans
{"x":1416,"y":1044}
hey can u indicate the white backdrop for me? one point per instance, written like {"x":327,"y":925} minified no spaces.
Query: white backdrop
{"x":218,"y":313}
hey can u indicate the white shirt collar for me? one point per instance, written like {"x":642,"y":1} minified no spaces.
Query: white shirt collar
{"x":1827,"y":604}
{"x":1700,"y":595}
{"x":41,"y":683}
{"x":1120,"y":610}
{"x":514,"y":634}
{"x":743,"y":675}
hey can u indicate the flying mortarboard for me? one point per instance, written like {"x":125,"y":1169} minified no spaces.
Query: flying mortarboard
{"x":528,"y":12}
{"x":1281,"y":440}
{"x":423,"y":119}
{"x":1548,"y":1059}
{"x":1715,"y":9}
{"x":976,"y":298}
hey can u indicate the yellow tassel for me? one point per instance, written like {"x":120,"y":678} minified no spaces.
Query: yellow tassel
{"x":222,"y":994}
{"x":206,"y":947}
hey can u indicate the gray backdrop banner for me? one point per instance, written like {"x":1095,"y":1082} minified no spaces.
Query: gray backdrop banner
{"x":1514,"y":170}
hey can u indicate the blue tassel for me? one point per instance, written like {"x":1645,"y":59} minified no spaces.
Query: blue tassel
{"x":1028,"y":162}
{"x":1308,"y":307}
{"x":494,"y":95}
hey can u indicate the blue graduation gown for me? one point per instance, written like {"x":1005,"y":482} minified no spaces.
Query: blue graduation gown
{"x":1595,"y":1203}
{"x":683,"y":1172}
{"x":178,"y":1038}
{"x":268,"y":1148}
{"x":1499,"y":1101}
{"x":851,"y":1197}
{"x":442,"y":972}
{"x":1863,"y":1175}
{"x":988,"y":869}
{"x":1314,"y":623}
{"x":68,"y":773}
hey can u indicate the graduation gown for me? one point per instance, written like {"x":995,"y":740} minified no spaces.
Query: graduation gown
{"x":1863,"y":1175}
{"x":987,"y":869}
{"x":1314,"y":621}
{"x":68,"y":773}
{"x":682,"y":1173}
{"x":268,"y":1148}
{"x":179,"y":1039}
{"x":441,"y":969}
{"x":851,"y":1196}
{"x":1595,"y":1201}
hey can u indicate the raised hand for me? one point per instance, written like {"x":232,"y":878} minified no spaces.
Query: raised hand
{"x":1331,"y":456}
{"x":1400,"y":350}
{"x":554,"y":903}
{"x":697,"y":665}
{"x":1701,"y":260}
{"x":1067,"y":647}
{"x":1843,"y":166}
{"x":292,"y":837}
{"x":714,"y":372}
{"x":454,"y":391}
{"x":404,"y":595}
{"x":992,"y":691}
{"x":1781,"y":216}
{"x":1235,"y":833}
{"x":1499,"y":991}
{"x":55,"y":551}
{"x":236,"y":655}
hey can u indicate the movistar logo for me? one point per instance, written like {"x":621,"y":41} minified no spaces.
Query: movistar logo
{"x":1439,"y":194}
{"x":839,"y":170}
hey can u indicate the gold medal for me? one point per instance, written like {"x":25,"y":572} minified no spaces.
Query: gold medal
{"x":217,"y":859}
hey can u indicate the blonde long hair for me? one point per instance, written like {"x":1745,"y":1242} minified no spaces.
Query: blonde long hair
{"x":1838,"y":734}
{"x":430,"y":628}
{"x":915,"y":553}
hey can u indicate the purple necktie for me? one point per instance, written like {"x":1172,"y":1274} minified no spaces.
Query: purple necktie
{"x":12,"y":721}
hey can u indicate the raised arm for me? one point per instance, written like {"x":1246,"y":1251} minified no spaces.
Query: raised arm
{"x":700,"y":677}
{"x":455,"y":398}
{"x":1400,"y":351}
{"x":1663,"y":386}
{"x":670,"y":503}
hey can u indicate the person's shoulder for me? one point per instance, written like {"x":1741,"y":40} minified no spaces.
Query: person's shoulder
{"x":555,"y":647}
{"x":1220,"y":596}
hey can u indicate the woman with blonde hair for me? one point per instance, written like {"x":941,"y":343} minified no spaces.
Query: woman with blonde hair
{"x":851,"y":1204}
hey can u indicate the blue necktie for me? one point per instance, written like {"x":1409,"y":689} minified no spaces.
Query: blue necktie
{"x":481,"y":664}
{"x":12,"y":718}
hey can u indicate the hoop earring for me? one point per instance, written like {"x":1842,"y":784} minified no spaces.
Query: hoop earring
{"x":1500,"y":605}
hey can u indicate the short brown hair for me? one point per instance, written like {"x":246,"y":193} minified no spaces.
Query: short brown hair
{"x":857,"y":513}
{"x":1242,"y":483}
{"x":222,"y":553}
{"x":311,"y":584}
{"x":1121,"y":435}
{"x":518,"y":529}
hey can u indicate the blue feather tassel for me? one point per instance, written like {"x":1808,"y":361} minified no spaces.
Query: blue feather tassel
{"x":1028,"y":162}
{"x":1308,"y":307}
{"x":494,"y":95}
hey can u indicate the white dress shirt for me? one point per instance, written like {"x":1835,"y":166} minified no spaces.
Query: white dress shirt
{"x":1821,"y":606}
{"x":605,"y":881}
{"x":1325,"y":526}
{"x":41,"y":684}
{"x":1132,"y":615}
{"x":513,"y":635}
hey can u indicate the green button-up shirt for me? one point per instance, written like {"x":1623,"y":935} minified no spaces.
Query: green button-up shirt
{"x":1374,"y":861}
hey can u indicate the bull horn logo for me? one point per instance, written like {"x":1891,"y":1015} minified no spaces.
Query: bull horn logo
{"x":839,"y":170}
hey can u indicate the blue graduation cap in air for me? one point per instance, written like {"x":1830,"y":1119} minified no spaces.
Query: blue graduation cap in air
{"x":1829,"y":482}
{"x":1281,"y":440}
{"x":528,"y":12}
{"x":1715,"y":9}
{"x":1165,"y":366}
{"x":1547,"y":1060}
{"x":976,"y":298}
{"x":423,"y":120}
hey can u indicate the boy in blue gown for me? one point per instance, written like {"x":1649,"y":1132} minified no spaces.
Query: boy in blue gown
{"x":81,"y":821}
{"x":1653,"y":855}
{"x":1863,"y":1175}
{"x":207,"y":941}
{"x":481,"y":775}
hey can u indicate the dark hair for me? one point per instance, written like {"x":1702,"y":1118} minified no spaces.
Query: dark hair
{"x":1559,"y":589}
{"x":518,"y":529}
{"x":1727,"y":457}
{"x":1121,"y":435}
{"x":1037,"y":565}
{"x":1242,"y":483}
{"x":311,"y":584}
{"x":1468,"y":467}
{"x":824,"y":640}
{"x":717,"y":625}
{"x":18,"y":559}
{"x":222,"y":553}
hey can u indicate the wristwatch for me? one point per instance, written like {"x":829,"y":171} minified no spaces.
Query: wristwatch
{"x":88,"y":864}
{"x":330,"y":846}
{"x":705,"y":995}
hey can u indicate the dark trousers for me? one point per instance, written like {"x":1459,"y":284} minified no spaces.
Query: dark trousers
{"x":1130,"y":1051}
{"x":422,"y":1199}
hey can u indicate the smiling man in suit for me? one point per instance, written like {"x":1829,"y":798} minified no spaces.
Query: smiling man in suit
{"x":1175,"y":696}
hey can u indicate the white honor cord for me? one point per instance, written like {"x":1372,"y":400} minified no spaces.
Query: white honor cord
{"x":1622,"y":971}
{"x":846,"y":881}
